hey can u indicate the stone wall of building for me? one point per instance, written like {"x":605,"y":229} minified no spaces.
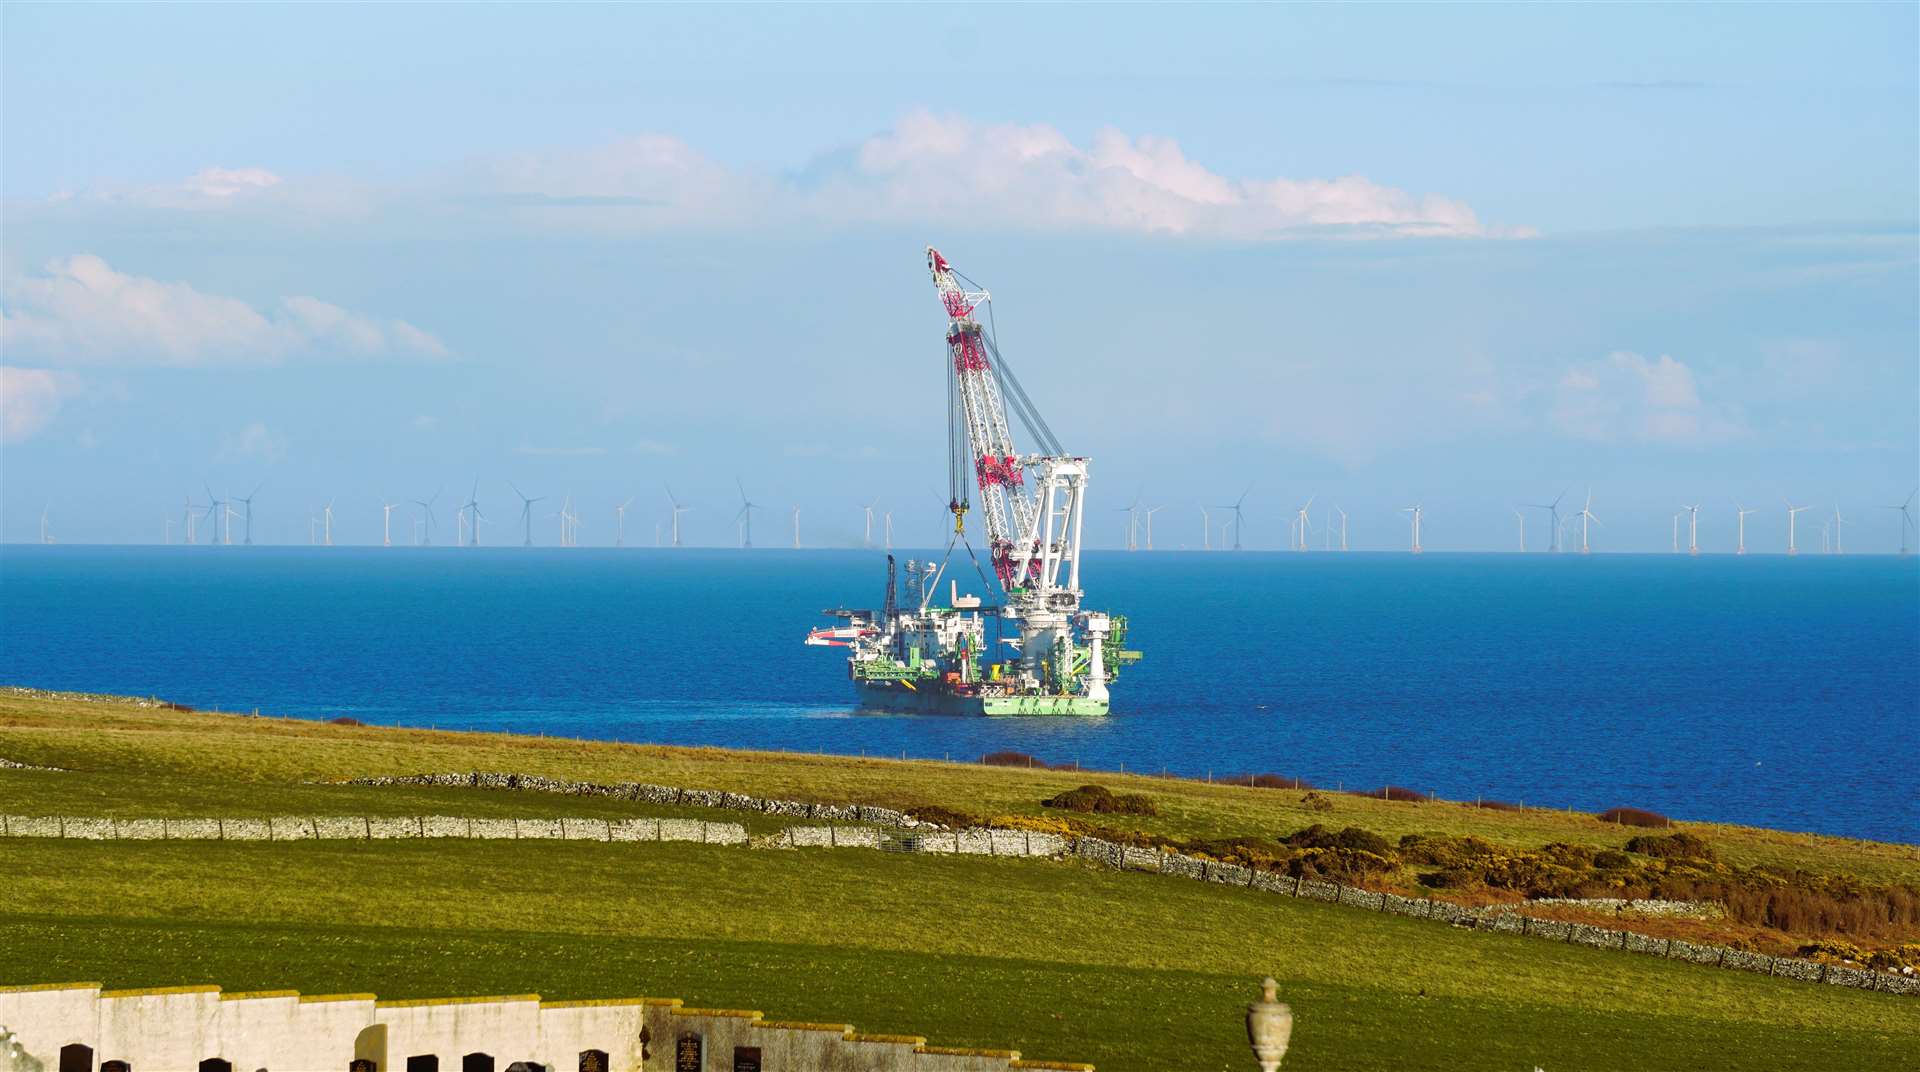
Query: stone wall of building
{"x":180,"y":1027}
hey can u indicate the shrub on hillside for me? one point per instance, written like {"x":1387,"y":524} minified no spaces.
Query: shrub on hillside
{"x":1316,"y":802}
{"x":1396,"y":792}
{"x":1319,"y":837}
{"x":1338,"y":864}
{"x":1671,"y":847}
{"x":345,"y":721}
{"x":1013,"y":759}
{"x":1444,"y":850}
{"x":1635,"y":817}
{"x":1612,"y":860}
{"x":1099,"y":800}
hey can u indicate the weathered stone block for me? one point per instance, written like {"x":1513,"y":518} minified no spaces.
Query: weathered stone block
{"x":1695,"y":954}
{"x":543,"y":829}
{"x":585,"y":830}
{"x":1040,"y":843}
{"x":331,"y":827}
{"x":1806,"y":971}
{"x":975,"y":842}
{"x":724,"y":834}
{"x":492,"y":829}
{"x":1275,"y":882}
{"x":290,"y":828}
{"x":856,"y":837}
{"x":245,"y":830}
{"x":633,"y":829}
{"x":1090,"y":848}
{"x":1742,"y":960}
{"x":1007,"y":842}
{"x":1173,"y":863}
{"x":657,"y":794}
{"x":386,"y":827}
{"x":810,"y":837}
{"x":494,"y":780}
{"x":1319,"y":891}
{"x":1841,"y":975}
{"x":1139,"y":859}
{"x":87,"y":829}
{"x":701,"y":798}
{"x":1403,"y":906}
{"x":1598,"y":937}
{"x":883,"y":816}
{"x":1889,"y":983}
{"x":1359,"y":898}
{"x":1640,"y":943}
{"x":140,"y":829}
{"x":681,"y":830}
{"x":1551,"y":929}
{"x":1228,"y":874}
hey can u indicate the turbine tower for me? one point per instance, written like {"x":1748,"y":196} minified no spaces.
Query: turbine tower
{"x":1586,"y":517}
{"x":677,"y":511}
{"x":526,"y":512}
{"x":1152,"y":510}
{"x":1741,"y":547}
{"x":1132,"y":510}
{"x":248,"y":503}
{"x":796,"y":528}
{"x":474,"y":516}
{"x":1522,"y":518}
{"x":1693,"y":528}
{"x":1236,"y":521}
{"x":327,"y":514}
{"x":1343,"y":527}
{"x":1906,"y":519}
{"x":1793,"y":512}
{"x":425,"y":532}
{"x":1206,"y":530}
{"x":745,"y":517}
{"x":866,"y":540}
{"x":1676,"y":532}
{"x":45,"y":536}
{"x":1302,"y":546}
{"x":386,"y":521}
{"x":1415,"y":511}
{"x":620,"y":523}
{"x":1553,"y":508}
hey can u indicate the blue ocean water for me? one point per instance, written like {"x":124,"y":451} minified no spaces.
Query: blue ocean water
{"x":1767,"y":690}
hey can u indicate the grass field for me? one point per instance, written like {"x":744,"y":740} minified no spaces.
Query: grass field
{"x":1132,"y":971}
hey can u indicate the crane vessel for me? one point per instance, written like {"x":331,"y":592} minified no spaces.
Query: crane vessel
{"x":1034,"y":651}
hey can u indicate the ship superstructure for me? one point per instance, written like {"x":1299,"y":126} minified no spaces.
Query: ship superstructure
{"x":1035,"y":651}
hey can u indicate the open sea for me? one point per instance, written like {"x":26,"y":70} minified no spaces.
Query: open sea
{"x":1765,"y":690}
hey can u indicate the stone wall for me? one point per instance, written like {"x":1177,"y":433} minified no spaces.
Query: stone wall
{"x":375,"y":828}
{"x":179,"y":1027}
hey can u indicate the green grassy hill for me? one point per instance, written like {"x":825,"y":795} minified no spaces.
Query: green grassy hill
{"x":1059,"y":960}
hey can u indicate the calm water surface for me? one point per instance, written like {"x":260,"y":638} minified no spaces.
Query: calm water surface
{"x":1766,"y":690}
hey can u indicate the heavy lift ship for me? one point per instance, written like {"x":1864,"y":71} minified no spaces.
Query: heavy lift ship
{"x":1046,"y":656}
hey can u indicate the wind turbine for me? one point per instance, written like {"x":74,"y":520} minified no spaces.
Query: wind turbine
{"x":1793,"y":546}
{"x":887,"y":529}
{"x":227,"y":518}
{"x":1238,"y":518}
{"x":526,"y":511}
{"x":677,"y":511}
{"x":745,"y":517}
{"x":327,"y":514}
{"x":1206,"y":530}
{"x":1586,"y":516}
{"x":796,"y":528}
{"x":1343,"y":527}
{"x":1522,"y":518}
{"x":1676,"y":532}
{"x":1415,"y":511}
{"x":473,"y":511}
{"x":1133,"y":521}
{"x":1906,"y":519}
{"x":867,"y":540}
{"x":1839,"y":548}
{"x":460,"y":525}
{"x":45,"y":536}
{"x":1303,"y":523}
{"x":1741,"y":548}
{"x":386,"y":521}
{"x":1152,"y":510}
{"x":426,"y":517}
{"x":216,"y":515}
{"x":1693,"y":528}
{"x":620,"y":523}
{"x":186,"y":515}
{"x":1553,"y":544}
{"x":248,"y":503}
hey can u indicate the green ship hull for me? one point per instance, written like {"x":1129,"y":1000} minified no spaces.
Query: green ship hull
{"x":929,"y":700}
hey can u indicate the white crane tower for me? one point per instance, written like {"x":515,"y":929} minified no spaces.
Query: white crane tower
{"x":1033,"y":503}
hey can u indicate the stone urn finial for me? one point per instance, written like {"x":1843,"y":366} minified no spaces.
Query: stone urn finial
{"x":1269,"y":1026}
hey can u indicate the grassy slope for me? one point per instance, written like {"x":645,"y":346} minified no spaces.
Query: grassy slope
{"x":1129,"y":970}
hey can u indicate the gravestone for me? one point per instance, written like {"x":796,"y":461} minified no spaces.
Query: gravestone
{"x":686,"y":1053}
{"x":423,"y":1062}
{"x":362,"y":1064}
{"x":76,"y":1057}
{"x":114,"y":1066}
{"x":593,"y":1061}
{"x":746,"y":1059}
{"x":477,"y":1062}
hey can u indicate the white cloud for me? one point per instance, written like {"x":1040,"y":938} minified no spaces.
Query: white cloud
{"x":30,"y":398}
{"x":254,"y":442}
{"x":927,"y":167}
{"x":1625,"y":396}
{"x":82,"y":311}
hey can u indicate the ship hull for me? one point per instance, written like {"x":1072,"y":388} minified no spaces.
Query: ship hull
{"x":878,"y":696}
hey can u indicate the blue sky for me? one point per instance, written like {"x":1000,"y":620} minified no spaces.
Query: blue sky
{"x":1466,"y":256}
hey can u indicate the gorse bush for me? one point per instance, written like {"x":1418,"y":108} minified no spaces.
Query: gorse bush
{"x":1671,"y":847}
{"x":1098,"y":799}
{"x":1635,"y":817}
{"x":1319,"y":837}
{"x":935,"y":813}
